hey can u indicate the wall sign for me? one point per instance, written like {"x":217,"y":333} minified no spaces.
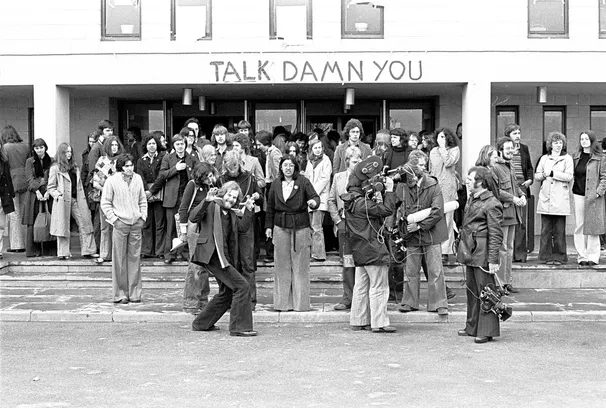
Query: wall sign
{"x":316,"y":71}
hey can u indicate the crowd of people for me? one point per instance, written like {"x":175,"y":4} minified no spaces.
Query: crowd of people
{"x":218,"y":202}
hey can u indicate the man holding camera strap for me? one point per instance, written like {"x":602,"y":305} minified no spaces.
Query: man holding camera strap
{"x":420,"y":191}
{"x":481,"y":237}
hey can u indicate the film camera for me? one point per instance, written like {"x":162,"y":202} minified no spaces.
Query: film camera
{"x":398,"y":249}
{"x":372,"y":174}
{"x":491,"y":302}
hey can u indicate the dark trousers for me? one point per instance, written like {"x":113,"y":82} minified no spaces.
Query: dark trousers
{"x":553,"y":238}
{"x":247,"y":261}
{"x":97,"y":225}
{"x":524,"y":233}
{"x":154,"y":235}
{"x":234,"y":293}
{"x":349,"y":272}
{"x":479,"y":323}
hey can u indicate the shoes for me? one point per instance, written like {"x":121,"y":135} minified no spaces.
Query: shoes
{"x":168,"y":261}
{"x":147,"y":256}
{"x":583,"y":263}
{"x":481,"y":340}
{"x":135,"y":301}
{"x":342,"y":306}
{"x":99,"y":260}
{"x":386,"y":329}
{"x":462,"y":332}
{"x":591,"y":263}
{"x":557,"y":262}
{"x":449,"y":293}
{"x":90,"y":256}
{"x":406,"y":309}
{"x":63,"y":258}
{"x":549,"y":263}
{"x":211,"y":328}
{"x":510,"y":288}
{"x":249,"y":333}
{"x":121,"y":301}
{"x":443,"y":311}
{"x":318,"y":259}
{"x":268,"y":259}
{"x":15,"y":250}
{"x":359,"y":328}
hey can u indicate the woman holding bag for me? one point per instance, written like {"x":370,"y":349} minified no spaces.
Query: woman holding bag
{"x":65,"y":186}
{"x":37,"y":169}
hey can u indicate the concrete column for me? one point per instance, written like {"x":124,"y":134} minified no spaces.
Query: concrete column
{"x":51,"y":115}
{"x":476,"y":121}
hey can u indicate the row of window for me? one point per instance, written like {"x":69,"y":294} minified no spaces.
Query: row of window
{"x":554,"y":120}
{"x":292,"y":19}
{"x":288,"y":19}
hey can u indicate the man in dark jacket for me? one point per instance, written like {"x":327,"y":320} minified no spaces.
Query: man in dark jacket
{"x":512,"y":198}
{"x":217,"y":250}
{"x":421,"y":191}
{"x":364,"y":216}
{"x":249,"y":188}
{"x":522,"y":166}
{"x":481,"y":235}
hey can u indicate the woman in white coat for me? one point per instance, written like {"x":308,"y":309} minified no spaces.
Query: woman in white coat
{"x":555,"y":172}
{"x":65,"y":186}
{"x":318,"y":171}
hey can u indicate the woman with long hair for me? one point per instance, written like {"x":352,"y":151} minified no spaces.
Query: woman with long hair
{"x":7,"y":206}
{"x":105,"y":167}
{"x":148,"y":167}
{"x":442,"y":165}
{"x":208,"y":154}
{"x":588,"y":191}
{"x":555,"y":172}
{"x":318,"y":171}
{"x":294,"y":149}
{"x":287,"y":223}
{"x":65,"y":186}
{"x":17,"y":152}
{"x":37,"y":169}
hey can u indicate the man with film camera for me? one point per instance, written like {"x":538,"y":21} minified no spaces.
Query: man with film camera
{"x":481,"y":237}
{"x":365,"y":211}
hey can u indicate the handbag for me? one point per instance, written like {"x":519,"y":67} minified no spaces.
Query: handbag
{"x":159,"y":196}
{"x":42,"y":224}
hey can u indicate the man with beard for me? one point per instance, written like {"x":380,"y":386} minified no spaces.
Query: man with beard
{"x":512,"y":199}
{"x":220,"y":141}
{"x":418,"y":192}
{"x":217,"y":250}
{"x":249,"y":188}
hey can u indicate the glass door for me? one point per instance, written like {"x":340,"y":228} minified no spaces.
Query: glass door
{"x":147,"y":116}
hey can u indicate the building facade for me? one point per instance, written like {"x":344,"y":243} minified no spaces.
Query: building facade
{"x":416,"y":64}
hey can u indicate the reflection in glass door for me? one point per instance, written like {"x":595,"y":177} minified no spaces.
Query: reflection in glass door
{"x":270,"y":115}
{"x":145,"y":115}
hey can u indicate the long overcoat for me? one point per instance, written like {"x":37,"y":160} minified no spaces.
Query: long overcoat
{"x":555,"y":195}
{"x":60,"y":187}
{"x":595,"y":184}
{"x":34,"y":184}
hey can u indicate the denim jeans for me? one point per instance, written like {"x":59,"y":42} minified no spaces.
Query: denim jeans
{"x":436,"y":285}
{"x":553,"y":238}
{"x":233,"y":293}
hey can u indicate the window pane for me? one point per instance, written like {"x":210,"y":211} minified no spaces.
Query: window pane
{"x":146,"y":116}
{"x":602,"y":18}
{"x":598,"y":123}
{"x":363,"y":19}
{"x":291,"y":23}
{"x":268,"y":119}
{"x":547,"y":16}
{"x":191,"y":19}
{"x":407,"y":119}
{"x":122,"y":18}
{"x":552,"y":122}
{"x":504,"y":118}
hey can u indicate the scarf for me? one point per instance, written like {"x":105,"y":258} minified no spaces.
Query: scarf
{"x":41,"y":165}
{"x":315,"y":160}
{"x":218,"y":232}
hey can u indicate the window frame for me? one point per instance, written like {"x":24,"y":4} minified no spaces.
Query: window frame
{"x":550,"y":34}
{"x":596,"y":108}
{"x":273,"y":35}
{"x":505,"y":108}
{"x":553,"y":108}
{"x":601,"y":33}
{"x":120,"y":37}
{"x":357,"y":34}
{"x":209,"y":21}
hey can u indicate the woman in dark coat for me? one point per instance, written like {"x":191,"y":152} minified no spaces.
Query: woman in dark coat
{"x":36,"y":173}
{"x":6,"y":196}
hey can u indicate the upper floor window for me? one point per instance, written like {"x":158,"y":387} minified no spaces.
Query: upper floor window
{"x":548,"y":18}
{"x":121,"y":19}
{"x":190,"y":20}
{"x":602,"y":18}
{"x":362,"y":19}
{"x":290,"y":19}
